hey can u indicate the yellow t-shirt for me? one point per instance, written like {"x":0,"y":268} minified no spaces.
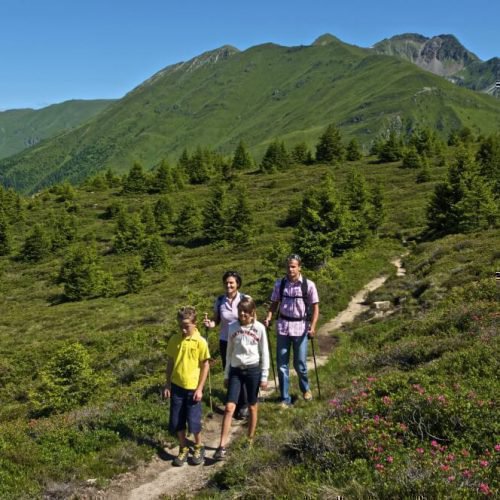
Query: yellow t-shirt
{"x":187,"y":354}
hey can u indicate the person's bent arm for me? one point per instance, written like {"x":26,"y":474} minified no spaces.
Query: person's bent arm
{"x":272,"y":309}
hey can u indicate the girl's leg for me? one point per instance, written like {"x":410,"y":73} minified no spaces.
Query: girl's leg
{"x":252,"y":420}
{"x":226,"y":423}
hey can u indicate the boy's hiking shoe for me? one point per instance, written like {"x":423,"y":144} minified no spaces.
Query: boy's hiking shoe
{"x":198,"y":454}
{"x":308,"y":396}
{"x":242,"y":414}
{"x":182,"y":457}
{"x":220,"y":453}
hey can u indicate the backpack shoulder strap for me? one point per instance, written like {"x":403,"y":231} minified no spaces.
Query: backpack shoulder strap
{"x":304,"y":290}
{"x":282,"y":288}
{"x":219,"y":301}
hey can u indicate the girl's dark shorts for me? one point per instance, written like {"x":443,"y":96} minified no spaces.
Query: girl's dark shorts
{"x":184,"y":410}
{"x":248,"y":377}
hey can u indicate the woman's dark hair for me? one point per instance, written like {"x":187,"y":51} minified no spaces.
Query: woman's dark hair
{"x":232,"y":274}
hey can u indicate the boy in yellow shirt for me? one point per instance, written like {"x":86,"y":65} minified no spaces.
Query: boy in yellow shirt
{"x":186,"y":373}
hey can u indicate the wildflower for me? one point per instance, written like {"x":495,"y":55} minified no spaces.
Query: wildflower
{"x":444,"y":467}
{"x":465,"y":453}
{"x":484,"y":463}
{"x":403,"y":427}
{"x":371,"y":379}
{"x":497,"y":447}
{"x":334,"y":402}
{"x":434,"y":444}
{"x":442,"y":398}
{"x":390,"y":459}
{"x":420,"y":451}
{"x":450,"y":457}
{"x":451,"y":479}
{"x":484,"y":488}
{"x":387,"y":400}
{"x":467,"y":473}
{"x":379,"y":467}
{"x":376,"y":419}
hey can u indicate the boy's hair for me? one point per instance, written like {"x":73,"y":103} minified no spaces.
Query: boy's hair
{"x":187,"y":312}
{"x":247,"y":304}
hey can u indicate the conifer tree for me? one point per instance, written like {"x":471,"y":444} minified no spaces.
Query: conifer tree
{"x":37,"y":245}
{"x":464,"y":202}
{"x":330,"y":148}
{"x":66,"y":381}
{"x":424,"y":174}
{"x":392,"y":149}
{"x":112,"y":180}
{"x":154,"y":254}
{"x":275,"y":158}
{"x":82,"y":275}
{"x":189,"y":221}
{"x":353,"y":152}
{"x":164,"y":214}
{"x":148,"y":219}
{"x":301,"y":154}
{"x":5,"y":236}
{"x":134,"y":277}
{"x":163,"y":181}
{"x":488,"y":157}
{"x":241,"y":159}
{"x":136,"y":180}
{"x":241,"y":225}
{"x":129,"y":235}
{"x":64,"y":230}
{"x":411,"y":158}
{"x":214,"y":214}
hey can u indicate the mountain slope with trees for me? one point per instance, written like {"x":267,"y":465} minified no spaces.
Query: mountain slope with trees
{"x":224,"y":96}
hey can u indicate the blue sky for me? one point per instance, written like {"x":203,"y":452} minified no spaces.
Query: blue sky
{"x":55,"y":50}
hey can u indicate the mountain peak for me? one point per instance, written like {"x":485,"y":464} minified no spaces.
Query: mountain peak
{"x":326,"y":39}
{"x":443,"y":54}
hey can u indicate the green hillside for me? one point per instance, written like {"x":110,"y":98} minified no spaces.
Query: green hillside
{"x":23,"y":128}
{"x":91,"y":279}
{"x":267,"y":91}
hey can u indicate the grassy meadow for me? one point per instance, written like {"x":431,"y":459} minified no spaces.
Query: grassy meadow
{"x":372,"y":385}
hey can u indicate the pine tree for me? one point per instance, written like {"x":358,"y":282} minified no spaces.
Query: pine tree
{"x":353,"y":152}
{"x":241,"y":159}
{"x":134,"y":277}
{"x":82,"y":275}
{"x":64,"y":230}
{"x":163,"y":181}
{"x":5,"y":236}
{"x":148,"y":219}
{"x":464,"y":202}
{"x":411,"y":158}
{"x":129,"y":235}
{"x":67,"y":381}
{"x":275,"y":158}
{"x":214,"y":215}
{"x":392,"y":149}
{"x":154,"y":254}
{"x":488,"y":157}
{"x":241,"y":225}
{"x":164,"y":214}
{"x":330,"y":148}
{"x":37,"y":245}
{"x":136,"y":180}
{"x":189,"y":221}
{"x":302,"y":154}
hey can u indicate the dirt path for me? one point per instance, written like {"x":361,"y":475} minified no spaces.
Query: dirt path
{"x":159,"y":478}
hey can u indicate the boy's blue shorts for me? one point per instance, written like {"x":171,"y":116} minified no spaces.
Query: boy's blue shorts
{"x":184,"y":410}
{"x":249,"y":377}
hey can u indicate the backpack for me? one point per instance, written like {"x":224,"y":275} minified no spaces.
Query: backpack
{"x":304,"y":287}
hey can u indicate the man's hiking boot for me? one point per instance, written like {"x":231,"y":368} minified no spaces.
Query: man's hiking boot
{"x":198,"y":454}
{"x":220,"y":453}
{"x":308,"y":396}
{"x":182,"y":457}
{"x":284,"y":405}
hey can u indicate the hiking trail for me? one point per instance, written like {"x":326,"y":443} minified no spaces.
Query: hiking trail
{"x":158,"y":478}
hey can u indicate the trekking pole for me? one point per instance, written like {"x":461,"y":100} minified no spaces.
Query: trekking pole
{"x":315,"y":366}
{"x":211,"y":414}
{"x":272,"y":361}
